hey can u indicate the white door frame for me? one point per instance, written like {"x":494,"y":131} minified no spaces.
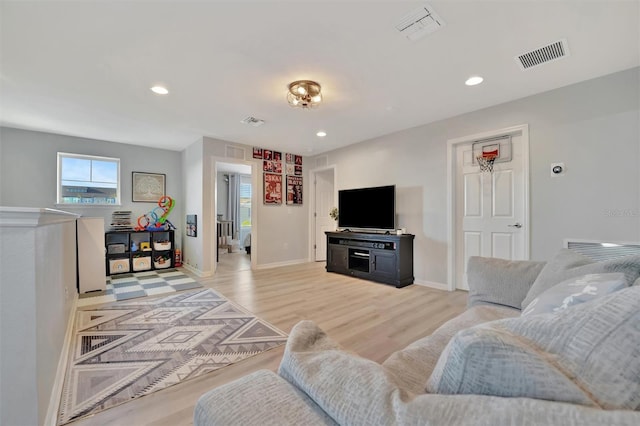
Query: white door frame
{"x":451,"y":185}
{"x":214,"y":207}
{"x":312,"y":198}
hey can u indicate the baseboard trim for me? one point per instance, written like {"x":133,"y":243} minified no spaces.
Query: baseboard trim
{"x":197,"y":272}
{"x":51,"y":418}
{"x":432,"y":284}
{"x":279,"y":264}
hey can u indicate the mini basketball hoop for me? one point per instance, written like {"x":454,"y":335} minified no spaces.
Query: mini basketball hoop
{"x":486,"y":160}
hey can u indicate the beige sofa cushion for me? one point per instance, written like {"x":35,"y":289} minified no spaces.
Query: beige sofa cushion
{"x":587,"y":354}
{"x":500,"y":281}
{"x":413,"y":365}
{"x":568,"y":264}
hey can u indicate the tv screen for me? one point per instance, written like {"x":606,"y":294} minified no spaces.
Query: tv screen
{"x":367,"y":208}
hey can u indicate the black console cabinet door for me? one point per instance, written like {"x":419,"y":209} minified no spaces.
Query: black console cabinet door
{"x":337,"y":259}
{"x":383,"y":265}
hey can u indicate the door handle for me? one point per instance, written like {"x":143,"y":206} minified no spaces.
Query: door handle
{"x":516,"y":225}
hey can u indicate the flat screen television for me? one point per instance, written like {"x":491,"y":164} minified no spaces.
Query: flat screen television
{"x":367,"y":208}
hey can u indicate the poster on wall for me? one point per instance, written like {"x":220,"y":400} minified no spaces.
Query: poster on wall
{"x":257,"y":153}
{"x":290,"y":158}
{"x":294,"y":190}
{"x":272,"y":166}
{"x":290,"y":169}
{"x":298,"y":160}
{"x":298,"y":170}
{"x":272,"y":188}
{"x":192,"y":225}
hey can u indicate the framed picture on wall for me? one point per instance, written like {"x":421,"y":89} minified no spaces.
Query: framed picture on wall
{"x":192,"y":225}
{"x":294,"y":190}
{"x":272,"y":188}
{"x":147,"y":187}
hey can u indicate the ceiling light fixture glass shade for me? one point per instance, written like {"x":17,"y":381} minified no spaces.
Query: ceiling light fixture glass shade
{"x":159,"y":90}
{"x":304,"y":94}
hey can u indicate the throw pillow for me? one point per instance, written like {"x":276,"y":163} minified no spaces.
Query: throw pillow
{"x":568,"y":264}
{"x":575,"y":291}
{"x":585,"y":355}
{"x":500,"y":281}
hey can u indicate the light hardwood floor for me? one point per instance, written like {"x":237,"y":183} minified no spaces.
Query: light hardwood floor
{"x":368,"y":318}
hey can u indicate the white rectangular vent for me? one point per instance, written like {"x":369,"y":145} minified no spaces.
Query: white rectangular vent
{"x":419,"y":23}
{"x":234,"y":152}
{"x":549,"y":53}
{"x":255,"y":122}
{"x":322,"y":161}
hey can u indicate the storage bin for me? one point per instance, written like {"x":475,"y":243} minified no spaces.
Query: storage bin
{"x":161,"y":245}
{"x":115,"y":248}
{"x":142,"y":263}
{"x":162,"y":263}
{"x":118,"y":266}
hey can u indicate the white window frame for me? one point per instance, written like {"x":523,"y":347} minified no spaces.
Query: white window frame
{"x":59,"y":199}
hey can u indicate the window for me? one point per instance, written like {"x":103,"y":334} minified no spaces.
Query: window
{"x":88,"y":180}
{"x":245,"y":201}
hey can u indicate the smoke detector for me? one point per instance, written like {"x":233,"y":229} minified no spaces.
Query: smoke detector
{"x":419,"y":23}
{"x":255,"y":122}
{"x":549,"y":53}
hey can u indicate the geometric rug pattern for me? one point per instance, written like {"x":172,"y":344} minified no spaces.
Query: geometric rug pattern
{"x":124,"y":350}
{"x":140,"y":284}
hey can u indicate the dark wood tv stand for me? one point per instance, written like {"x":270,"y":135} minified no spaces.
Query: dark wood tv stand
{"x":386,"y":258}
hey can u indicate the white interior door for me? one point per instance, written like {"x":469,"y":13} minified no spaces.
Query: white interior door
{"x":491,"y":208}
{"x":324,"y":201}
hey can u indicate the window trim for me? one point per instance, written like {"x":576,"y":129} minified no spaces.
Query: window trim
{"x":60,"y":202}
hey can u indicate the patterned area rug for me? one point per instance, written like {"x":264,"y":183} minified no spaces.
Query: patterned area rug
{"x":125,"y":350}
{"x":140,"y":284}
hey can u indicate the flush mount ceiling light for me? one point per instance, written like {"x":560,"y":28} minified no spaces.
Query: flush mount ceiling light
{"x":159,"y":90}
{"x":321,"y":134}
{"x":304,"y":94}
{"x":472,"y":81}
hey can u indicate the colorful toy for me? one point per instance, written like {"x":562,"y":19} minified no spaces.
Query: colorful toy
{"x":156,"y":219}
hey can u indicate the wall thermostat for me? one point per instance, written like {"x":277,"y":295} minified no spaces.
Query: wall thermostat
{"x":557,"y":169}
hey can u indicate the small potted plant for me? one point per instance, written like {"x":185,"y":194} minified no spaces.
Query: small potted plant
{"x":333,"y":213}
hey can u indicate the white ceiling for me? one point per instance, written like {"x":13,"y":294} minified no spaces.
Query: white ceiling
{"x":85,"y":68}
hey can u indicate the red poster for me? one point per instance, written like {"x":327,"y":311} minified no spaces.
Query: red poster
{"x":272,"y":188}
{"x":294,"y":190}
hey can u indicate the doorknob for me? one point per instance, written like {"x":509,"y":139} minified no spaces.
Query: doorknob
{"x":516,"y":225}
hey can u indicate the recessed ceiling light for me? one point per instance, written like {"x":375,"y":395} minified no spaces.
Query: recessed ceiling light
{"x":472,"y":81}
{"x":321,"y":134}
{"x":159,"y":90}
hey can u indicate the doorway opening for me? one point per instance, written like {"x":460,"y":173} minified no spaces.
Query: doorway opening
{"x":234,"y":198}
{"x":324,"y":199}
{"x":488,"y":210}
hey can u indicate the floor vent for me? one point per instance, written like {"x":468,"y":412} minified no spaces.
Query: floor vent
{"x":549,"y":53}
{"x":419,"y":23}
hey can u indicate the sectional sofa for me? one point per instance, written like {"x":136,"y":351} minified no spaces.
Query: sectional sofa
{"x":555,"y":343}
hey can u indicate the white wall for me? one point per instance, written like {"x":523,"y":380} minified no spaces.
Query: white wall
{"x":593,"y":127}
{"x":37,"y":287}
{"x":28,"y":171}
{"x":192,"y":170}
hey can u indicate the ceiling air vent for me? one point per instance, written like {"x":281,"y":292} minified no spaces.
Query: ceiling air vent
{"x":419,"y":23}
{"x":255,"y":122}
{"x":549,"y":53}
